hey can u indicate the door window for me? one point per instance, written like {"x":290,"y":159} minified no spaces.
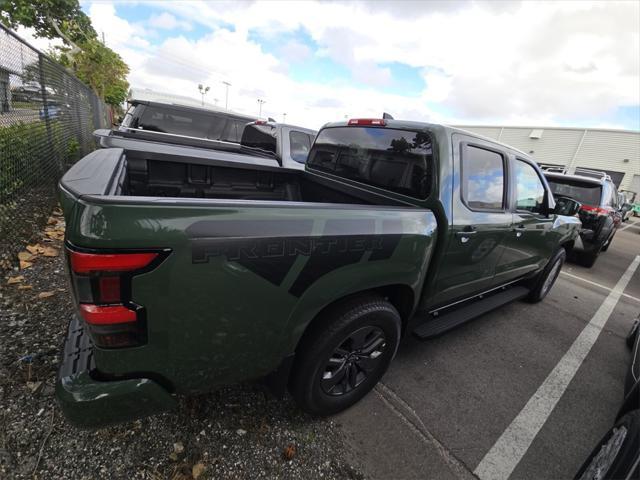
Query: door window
{"x":300,"y":146}
{"x":482,"y":179}
{"x":529,"y":188}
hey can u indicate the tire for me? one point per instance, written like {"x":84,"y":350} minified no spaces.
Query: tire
{"x":608,"y":243}
{"x":328,"y":374}
{"x":633,"y":333}
{"x":542,"y":284}
{"x":588,"y":259}
{"x":616,"y":453}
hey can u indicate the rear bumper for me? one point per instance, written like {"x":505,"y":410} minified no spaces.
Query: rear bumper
{"x":587,"y":241}
{"x":90,"y":403}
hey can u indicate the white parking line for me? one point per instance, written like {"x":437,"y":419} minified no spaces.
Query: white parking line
{"x":599,"y":285}
{"x":506,"y":453}
{"x":631,"y":224}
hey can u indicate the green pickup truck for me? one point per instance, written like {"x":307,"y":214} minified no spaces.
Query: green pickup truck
{"x":189,"y":273}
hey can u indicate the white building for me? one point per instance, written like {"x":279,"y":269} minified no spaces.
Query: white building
{"x":616,"y":152}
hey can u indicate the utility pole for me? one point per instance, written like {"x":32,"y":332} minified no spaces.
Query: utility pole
{"x":203,"y":92}
{"x":226,"y":97}
{"x":284,"y":117}
{"x":260,"y":103}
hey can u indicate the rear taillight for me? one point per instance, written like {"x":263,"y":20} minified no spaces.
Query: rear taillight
{"x":377,"y":122}
{"x":102,"y":288}
{"x":595,"y":210}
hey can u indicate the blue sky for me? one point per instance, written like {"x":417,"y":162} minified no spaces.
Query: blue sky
{"x":469,"y":62}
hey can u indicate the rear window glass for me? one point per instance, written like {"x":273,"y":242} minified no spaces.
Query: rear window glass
{"x":583,"y":192}
{"x":233,"y":130}
{"x":482,"y":178}
{"x":396,"y":160}
{"x":259,"y":136}
{"x":300,"y":144}
{"x":182,"y":122}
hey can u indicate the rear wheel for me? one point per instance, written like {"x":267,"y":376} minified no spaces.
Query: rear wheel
{"x":605,"y":247}
{"x":344,"y":354}
{"x":544,"y":281}
{"x":588,"y":259}
{"x":633,"y":333}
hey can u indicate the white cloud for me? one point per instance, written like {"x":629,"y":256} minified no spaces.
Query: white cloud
{"x":498,"y":62}
{"x":168,"y":22}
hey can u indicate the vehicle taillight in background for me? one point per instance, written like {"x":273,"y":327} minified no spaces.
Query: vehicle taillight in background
{"x":376,"y":122}
{"x":601,"y":212}
{"x":102,"y":288}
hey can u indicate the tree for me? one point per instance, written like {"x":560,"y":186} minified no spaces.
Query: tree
{"x":99,"y":67}
{"x":50,"y":19}
{"x":91,"y":60}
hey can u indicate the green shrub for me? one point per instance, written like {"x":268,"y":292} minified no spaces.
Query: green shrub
{"x":28,"y":155}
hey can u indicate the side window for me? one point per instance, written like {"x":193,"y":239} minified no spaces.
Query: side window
{"x":482,"y":178}
{"x":299,"y":145}
{"x":529,"y":188}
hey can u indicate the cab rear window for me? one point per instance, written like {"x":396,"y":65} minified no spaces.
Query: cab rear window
{"x":586,"y":193}
{"x":396,"y":160}
{"x":181,"y":122}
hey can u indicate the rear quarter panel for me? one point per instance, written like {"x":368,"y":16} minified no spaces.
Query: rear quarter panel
{"x":243,"y":280}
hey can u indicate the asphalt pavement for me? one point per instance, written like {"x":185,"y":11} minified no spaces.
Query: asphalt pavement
{"x":523,"y":392}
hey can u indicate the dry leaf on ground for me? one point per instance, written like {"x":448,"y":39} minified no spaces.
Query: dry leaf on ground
{"x":25,"y":287}
{"x":33,"y":249}
{"x":13,"y":280}
{"x":289,"y":452}
{"x":46,"y":294}
{"x":24,"y":264}
{"x":50,"y":252}
{"x":26,"y":256}
{"x":197,"y":470}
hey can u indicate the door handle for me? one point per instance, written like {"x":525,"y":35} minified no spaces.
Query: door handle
{"x":466,"y":233}
{"x":519,"y":229}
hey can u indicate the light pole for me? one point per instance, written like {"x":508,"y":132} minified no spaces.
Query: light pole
{"x":260,"y":103}
{"x":226,"y":97}
{"x":203,"y":91}
{"x":284,"y":118}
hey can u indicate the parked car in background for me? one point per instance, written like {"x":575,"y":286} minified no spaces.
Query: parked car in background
{"x":186,"y":121}
{"x":28,"y":93}
{"x":189,"y":273}
{"x":600,"y":214}
{"x":290,"y":143}
{"x":617,"y":455}
{"x":206,"y":128}
{"x":626,"y":208}
{"x":633,"y":199}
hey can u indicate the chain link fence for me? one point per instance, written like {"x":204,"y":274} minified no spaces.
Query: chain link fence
{"x":47,"y":117}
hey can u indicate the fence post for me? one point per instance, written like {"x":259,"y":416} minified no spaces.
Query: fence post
{"x":45,"y":109}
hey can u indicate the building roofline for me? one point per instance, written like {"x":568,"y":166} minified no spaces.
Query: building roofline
{"x":580,"y":129}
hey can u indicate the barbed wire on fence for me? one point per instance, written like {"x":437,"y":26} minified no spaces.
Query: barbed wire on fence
{"x":47,"y":117}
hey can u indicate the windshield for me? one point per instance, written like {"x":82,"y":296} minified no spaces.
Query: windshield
{"x":396,"y":160}
{"x":584,"y":192}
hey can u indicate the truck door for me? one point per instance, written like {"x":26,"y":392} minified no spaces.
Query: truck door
{"x":531,"y":239}
{"x":480,"y":220}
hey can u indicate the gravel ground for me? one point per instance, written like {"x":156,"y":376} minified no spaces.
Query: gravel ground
{"x":235,"y":432}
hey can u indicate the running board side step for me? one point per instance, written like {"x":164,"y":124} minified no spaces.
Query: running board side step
{"x":436,"y":325}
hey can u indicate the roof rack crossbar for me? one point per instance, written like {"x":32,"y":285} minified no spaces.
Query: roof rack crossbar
{"x":578,"y":171}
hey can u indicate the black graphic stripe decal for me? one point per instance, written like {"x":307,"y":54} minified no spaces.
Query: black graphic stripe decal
{"x":269,"y":248}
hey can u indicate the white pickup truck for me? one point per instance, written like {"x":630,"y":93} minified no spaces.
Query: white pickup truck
{"x":203,"y":128}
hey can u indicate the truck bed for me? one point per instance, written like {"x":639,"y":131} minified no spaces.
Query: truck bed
{"x":135,"y":173}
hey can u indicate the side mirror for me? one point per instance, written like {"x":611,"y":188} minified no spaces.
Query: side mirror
{"x":566,"y":206}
